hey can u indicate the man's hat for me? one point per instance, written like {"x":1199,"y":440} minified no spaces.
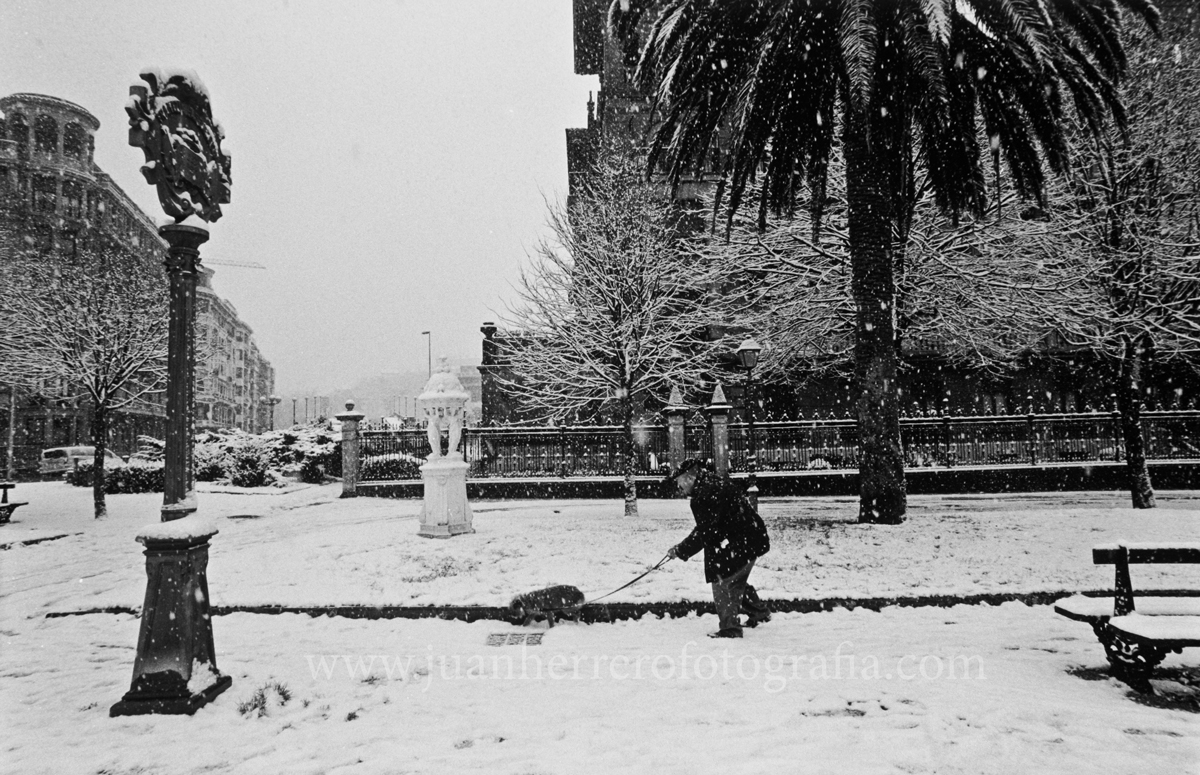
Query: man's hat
{"x":691,"y":464}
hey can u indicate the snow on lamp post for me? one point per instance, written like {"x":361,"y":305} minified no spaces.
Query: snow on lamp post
{"x":747,"y":353}
{"x":175,"y":668}
{"x":445,"y":511}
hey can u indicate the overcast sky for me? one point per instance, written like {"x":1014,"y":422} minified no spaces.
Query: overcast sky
{"x":391,"y":160}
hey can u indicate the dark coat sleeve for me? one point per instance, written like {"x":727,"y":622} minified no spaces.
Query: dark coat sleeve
{"x":727,"y":529}
{"x":706,"y":533}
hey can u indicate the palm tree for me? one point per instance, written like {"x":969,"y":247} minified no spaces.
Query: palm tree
{"x":923,"y":84}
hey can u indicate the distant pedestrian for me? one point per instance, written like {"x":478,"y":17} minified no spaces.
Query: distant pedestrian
{"x":732,"y":536}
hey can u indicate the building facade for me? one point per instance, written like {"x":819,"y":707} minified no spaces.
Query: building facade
{"x":232,"y":376}
{"x":55,"y":201}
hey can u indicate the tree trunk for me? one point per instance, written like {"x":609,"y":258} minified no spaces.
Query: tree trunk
{"x":631,"y":506}
{"x":1129,"y":403}
{"x":100,"y":442}
{"x":11,"y":473}
{"x":882,"y":492}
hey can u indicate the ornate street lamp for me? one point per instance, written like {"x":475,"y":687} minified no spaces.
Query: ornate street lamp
{"x":175,"y":668}
{"x":747,"y":354}
{"x":429,"y":350}
{"x":271,"y":401}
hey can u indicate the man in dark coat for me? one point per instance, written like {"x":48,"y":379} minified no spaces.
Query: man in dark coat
{"x":732,"y":536}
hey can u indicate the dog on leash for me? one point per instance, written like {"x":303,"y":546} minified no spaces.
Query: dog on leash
{"x":561,"y":600}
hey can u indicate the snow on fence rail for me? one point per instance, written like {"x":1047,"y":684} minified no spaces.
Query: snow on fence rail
{"x":804,"y":445}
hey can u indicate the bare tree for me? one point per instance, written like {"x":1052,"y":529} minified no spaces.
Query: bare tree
{"x":1137,"y":229}
{"x":611,"y":312}
{"x":95,"y":323}
{"x":972,"y":291}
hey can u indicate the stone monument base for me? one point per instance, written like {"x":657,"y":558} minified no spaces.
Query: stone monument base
{"x":445,"y":512}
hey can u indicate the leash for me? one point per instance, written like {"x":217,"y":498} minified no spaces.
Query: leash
{"x":666,"y":558}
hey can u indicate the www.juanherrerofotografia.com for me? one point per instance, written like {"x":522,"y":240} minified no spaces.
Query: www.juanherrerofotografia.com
{"x":774,"y":671}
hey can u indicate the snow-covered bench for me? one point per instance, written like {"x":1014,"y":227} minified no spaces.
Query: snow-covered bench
{"x":6,"y":508}
{"x":1137,"y":635}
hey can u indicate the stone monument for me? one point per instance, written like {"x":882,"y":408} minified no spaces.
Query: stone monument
{"x":445,"y":512}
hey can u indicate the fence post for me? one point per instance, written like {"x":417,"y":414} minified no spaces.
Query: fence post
{"x":562,"y":451}
{"x":1117,"y":434}
{"x":718,"y":413}
{"x":350,"y":420}
{"x":676,"y":412}
{"x":1029,"y":432}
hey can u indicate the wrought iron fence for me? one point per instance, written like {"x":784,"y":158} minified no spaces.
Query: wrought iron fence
{"x":805,"y":445}
{"x":518,"y":452}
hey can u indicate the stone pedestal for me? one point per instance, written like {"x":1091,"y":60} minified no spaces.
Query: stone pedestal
{"x":446,"y":511}
{"x":175,"y":670}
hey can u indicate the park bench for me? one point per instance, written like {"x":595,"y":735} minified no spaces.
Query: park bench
{"x":1138,"y":633}
{"x":6,"y":508}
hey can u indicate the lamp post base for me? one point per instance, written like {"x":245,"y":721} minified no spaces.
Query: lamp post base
{"x":175,"y":668}
{"x":174,"y":703}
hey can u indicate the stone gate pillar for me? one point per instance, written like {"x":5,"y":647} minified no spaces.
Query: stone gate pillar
{"x":350,"y":449}
{"x":718,"y":414}
{"x":676,"y":413}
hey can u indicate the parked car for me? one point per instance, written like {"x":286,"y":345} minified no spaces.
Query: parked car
{"x":57,"y":461}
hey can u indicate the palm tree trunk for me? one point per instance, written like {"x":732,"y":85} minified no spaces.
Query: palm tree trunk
{"x":882,"y":491}
{"x":1129,"y":404}
{"x":100,"y":442}
{"x":631,"y":506}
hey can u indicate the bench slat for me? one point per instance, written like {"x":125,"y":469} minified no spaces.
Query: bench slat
{"x":1148,"y":552}
{"x":1093,"y":609}
{"x":1169,"y":631}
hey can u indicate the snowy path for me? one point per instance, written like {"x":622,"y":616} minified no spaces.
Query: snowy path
{"x":310,"y":548}
{"x":840,"y":692}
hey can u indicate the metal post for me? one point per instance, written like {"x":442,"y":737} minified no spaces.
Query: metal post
{"x":1029,"y":432}
{"x":429,"y":349}
{"x":183,"y":259}
{"x":751,"y":451}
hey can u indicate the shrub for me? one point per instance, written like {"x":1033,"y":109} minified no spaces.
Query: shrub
{"x":133,"y":478}
{"x":393,"y":466}
{"x":209,"y":463}
{"x":150,"y":450}
{"x":250,"y":465}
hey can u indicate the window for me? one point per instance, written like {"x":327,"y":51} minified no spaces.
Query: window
{"x":74,"y":141}
{"x":45,"y":194}
{"x":18,"y":131}
{"x":45,"y":135}
{"x":72,"y":199}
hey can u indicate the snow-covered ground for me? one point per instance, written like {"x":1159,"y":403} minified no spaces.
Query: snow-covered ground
{"x":845,"y":691}
{"x":308,"y":547}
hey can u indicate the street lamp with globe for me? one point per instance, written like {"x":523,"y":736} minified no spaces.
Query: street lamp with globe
{"x":271,"y":401}
{"x":747,"y":354}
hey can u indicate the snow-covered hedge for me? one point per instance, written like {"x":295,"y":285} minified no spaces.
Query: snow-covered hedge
{"x":136,"y":477}
{"x":396,"y":465}
{"x":236,"y":458}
